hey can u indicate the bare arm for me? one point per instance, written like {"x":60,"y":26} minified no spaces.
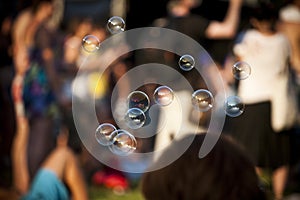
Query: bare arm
{"x":19,"y":156}
{"x":228,"y":27}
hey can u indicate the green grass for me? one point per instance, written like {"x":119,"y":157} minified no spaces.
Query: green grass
{"x":101,"y":193}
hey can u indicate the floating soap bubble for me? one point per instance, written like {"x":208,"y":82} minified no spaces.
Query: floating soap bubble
{"x":116,"y":24}
{"x":163,"y":95}
{"x":234,"y":106}
{"x":104,"y":134}
{"x":138,"y":99}
{"x":202,"y":100}
{"x":135,"y":118}
{"x":241,"y":70}
{"x":123,"y":144}
{"x":90,"y":43}
{"x":186,"y":62}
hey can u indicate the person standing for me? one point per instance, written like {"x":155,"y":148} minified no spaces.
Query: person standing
{"x":268,"y":95}
{"x":180,"y":18}
{"x":35,"y":84}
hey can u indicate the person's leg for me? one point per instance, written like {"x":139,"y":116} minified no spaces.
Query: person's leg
{"x":279,"y":179}
{"x":75,"y":179}
{"x":63,"y":162}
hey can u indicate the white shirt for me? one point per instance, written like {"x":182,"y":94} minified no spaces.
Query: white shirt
{"x":267,"y":55}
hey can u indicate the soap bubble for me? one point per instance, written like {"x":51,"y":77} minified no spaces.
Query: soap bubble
{"x":186,"y":62}
{"x":138,"y":99}
{"x":90,"y":43}
{"x":234,"y":106}
{"x":202,"y":100}
{"x":241,"y":70}
{"x":123,"y":144}
{"x":116,"y":24}
{"x":163,"y":95}
{"x":135,"y":118}
{"x":104,"y":134}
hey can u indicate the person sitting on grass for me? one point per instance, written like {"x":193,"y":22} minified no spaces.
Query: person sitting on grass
{"x":59,"y":177}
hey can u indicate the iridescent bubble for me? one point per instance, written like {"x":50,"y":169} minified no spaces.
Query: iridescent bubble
{"x":163,"y":95}
{"x":90,"y":43}
{"x":241,"y":70}
{"x":123,"y":144}
{"x":138,"y":99}
{"x":186,"y":62}
{"x":104,"y":134}
{"x":116,"y":24}
{"x":202,"y":100}
{"x":234,"y":106}
{"x":135,"y":118}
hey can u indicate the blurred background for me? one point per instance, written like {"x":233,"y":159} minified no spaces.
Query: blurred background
{"x":104,"y":183}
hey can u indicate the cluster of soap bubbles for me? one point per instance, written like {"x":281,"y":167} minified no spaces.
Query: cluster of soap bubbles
{"x":121,"y":141}
{"x":138,"y":104}
{"x":91,"y":43}
{"x":234,"y":105}
{"x":202,"y":99}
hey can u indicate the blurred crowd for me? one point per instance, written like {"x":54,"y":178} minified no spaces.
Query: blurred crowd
{"x":41,"y":53}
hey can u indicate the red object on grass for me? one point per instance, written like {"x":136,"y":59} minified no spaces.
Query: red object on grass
{"x":110,"y":180}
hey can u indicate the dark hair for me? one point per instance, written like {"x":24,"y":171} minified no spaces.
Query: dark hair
{"x":265,"y":11}
{"x":225,"y":173}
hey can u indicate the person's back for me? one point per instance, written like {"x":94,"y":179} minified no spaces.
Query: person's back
{"x":267,"y":55}
{"x":269,"y":96}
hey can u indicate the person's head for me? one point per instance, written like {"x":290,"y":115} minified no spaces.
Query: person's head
{"x":181,"y":7}
{"x":264,"y":17}
{"x":225,"y":173}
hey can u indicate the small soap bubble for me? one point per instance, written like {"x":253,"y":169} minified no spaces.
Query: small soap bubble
{"x":104,"y":133}
{"x":241,"y":70}
{"x":186,"y":62}
{"x":138,"y":99}
{"x":90,"y":43}
{"x":163,"y":95}
{"x":135,"y":118}
{"x":234,"y":106}
{"x":116,"y":25}
{"x":124,"y":143}
{"x":202,"y":100}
